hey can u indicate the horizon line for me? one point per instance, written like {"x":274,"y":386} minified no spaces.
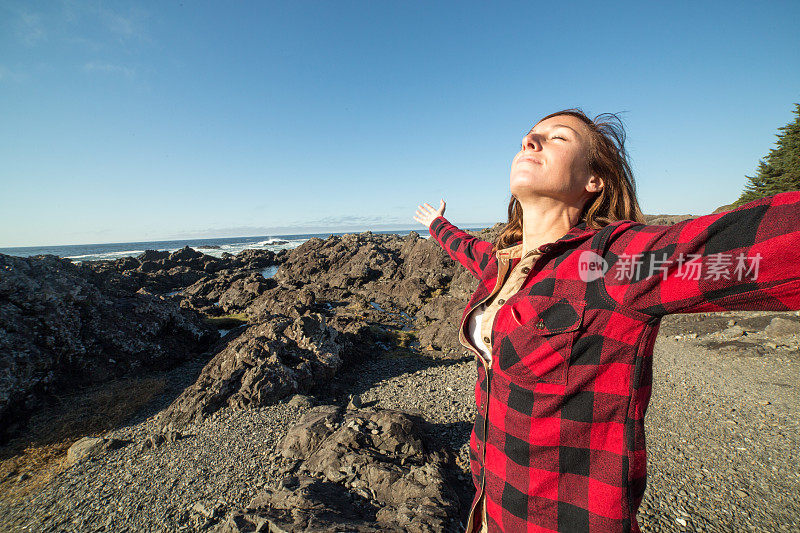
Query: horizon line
{"x":270,"y":234}
{"x":275,"y":233}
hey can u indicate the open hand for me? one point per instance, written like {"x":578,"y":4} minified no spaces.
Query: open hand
{"x":426,"y":213}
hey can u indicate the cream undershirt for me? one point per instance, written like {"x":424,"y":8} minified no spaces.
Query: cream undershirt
{"x":511,"y":284}
{"x":474,"y":329}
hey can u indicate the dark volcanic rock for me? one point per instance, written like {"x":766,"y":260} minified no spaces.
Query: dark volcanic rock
{"x":228,"y":292}
{"x":186,"y":256}
{"x":153,"y":255}
{"x":63,"y":326}
{"x":407,"y":282}
{"x":268,"y":362}
{"x":243,"y":291}
{"x":364,"y":470}
{"x":253,"y":259}
{"x":666,"y":220}
{"x":281,"y":300}
{"x":162,"y":272}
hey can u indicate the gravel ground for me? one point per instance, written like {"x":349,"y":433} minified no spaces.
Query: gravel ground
{"x":722,"y":443}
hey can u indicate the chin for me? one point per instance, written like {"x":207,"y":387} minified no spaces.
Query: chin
{"x":520,"y":185}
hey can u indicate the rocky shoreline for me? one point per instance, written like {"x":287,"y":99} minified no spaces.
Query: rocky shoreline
{"x":343,"y":401}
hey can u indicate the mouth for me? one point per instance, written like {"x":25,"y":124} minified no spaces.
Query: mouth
{"x":529,"y":159}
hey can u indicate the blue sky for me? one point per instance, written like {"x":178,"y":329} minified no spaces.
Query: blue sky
{"x":161,"y":120}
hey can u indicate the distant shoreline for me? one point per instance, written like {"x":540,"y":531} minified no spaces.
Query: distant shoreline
{"x":163,"y":244}
{"x":11,"y":250}
{"x":216,"y":246}
{"x":211,"y":246}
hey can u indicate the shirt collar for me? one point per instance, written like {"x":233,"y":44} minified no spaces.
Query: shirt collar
{"x":576,"y":232}
{"x":512,"y":252}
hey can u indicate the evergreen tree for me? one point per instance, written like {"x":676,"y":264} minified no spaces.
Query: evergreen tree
{"x":780,"y":170}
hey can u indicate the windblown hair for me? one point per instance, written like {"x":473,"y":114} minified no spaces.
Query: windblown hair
{"x":608,"y":160}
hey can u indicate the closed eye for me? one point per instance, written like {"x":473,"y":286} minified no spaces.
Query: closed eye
{"x":522,"y":145}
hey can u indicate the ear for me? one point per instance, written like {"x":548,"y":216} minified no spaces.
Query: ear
{"x":595,"y":184}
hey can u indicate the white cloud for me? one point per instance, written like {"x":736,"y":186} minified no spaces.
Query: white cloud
{"x":30,"y":28}
{"x":130,"y":26}
{"x":9,"y":75}
{"x":109,"y":68}
{"x":348,"y":220}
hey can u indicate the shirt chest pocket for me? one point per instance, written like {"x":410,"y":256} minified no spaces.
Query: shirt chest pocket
{"x":541,"y":332}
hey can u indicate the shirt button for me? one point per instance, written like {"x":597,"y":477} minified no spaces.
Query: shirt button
{"x":540,"y":324}
{"x":487,"y":340}
{"x":525,"y":270}
{"x":501,"y":301}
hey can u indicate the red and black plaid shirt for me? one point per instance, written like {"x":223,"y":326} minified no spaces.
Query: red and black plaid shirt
{"x":558,"y":442}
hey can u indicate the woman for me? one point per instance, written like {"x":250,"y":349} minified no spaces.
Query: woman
{"x":565,"y":316}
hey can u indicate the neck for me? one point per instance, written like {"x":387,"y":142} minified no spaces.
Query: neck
{"x":545,"y":221}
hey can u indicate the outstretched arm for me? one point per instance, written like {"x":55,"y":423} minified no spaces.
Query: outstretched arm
{"x":470,"y":251}
{"x":744,"y":259}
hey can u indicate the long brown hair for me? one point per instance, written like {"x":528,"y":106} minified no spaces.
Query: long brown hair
{"x":608,"y":160}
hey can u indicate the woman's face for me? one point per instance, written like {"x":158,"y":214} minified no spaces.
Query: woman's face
{"x":553,"y":161}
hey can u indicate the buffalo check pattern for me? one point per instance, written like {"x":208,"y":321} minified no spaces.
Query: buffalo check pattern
{"x":558,"y":442}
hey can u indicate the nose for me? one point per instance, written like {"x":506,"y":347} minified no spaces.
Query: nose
{"x":531,"y":141}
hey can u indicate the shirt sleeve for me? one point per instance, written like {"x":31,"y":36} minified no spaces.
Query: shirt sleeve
{"x":744,"y":259}
{"x":470,"y":251}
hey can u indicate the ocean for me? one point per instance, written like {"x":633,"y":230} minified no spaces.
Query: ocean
{"x":215,"y":247}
